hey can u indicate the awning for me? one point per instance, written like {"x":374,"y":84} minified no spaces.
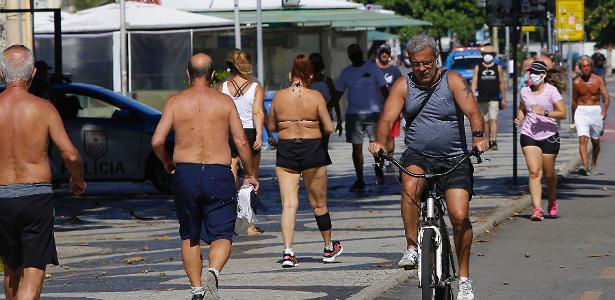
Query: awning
{"x":374,"y":35}
{"x":338,"y":18}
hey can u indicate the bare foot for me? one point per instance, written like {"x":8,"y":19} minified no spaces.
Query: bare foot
{"x":253,"y":230}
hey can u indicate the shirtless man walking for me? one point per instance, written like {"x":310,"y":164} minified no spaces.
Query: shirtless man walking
{"x":27,"y":243}
{"x":203,"y":184}
{"x":588,"y":114}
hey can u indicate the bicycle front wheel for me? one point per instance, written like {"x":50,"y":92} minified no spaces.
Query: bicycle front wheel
{"x":427,"y":264}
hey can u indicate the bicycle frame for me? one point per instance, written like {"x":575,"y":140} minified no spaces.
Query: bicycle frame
{"x":432,"y":212}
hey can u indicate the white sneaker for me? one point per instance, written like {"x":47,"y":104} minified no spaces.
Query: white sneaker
{"x":466,"y":292}
{"x":410,"y":259}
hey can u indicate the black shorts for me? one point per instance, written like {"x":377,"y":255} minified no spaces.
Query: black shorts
{"x":251,"y":135}
{"x":26,"y":231}
{"x":460,"y":178}
{"x":302,"y":154}
{"x":206,"y":201}
{"x":548,"y":146}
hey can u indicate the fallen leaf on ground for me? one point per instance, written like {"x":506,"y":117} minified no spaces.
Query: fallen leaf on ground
{"x":162,"y":274}
{"x":481,"y":254}
{"x":562,"y":267}
{"x":483,"y":241}
{"x":83,"y":244}
{"x":47,"y":276}
{"x":359,"y":226}
{"x":505,"y":283}
{"x":595,"y":255}
{"x":487,"y":231}
{"x":604,"y":188}
{"x":163,"y":238}
{"x":527,"y":254}
{"x":102,"y":274}
{"x":132,"y":260}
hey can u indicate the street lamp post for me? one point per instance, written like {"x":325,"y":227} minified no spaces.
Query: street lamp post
{"x":237,"y":28}
{"x":259,"y":42}
{"x":123,"y":54}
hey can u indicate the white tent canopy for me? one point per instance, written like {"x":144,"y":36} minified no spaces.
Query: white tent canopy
{"x":139,"y":16}
{"x":228,"y":5}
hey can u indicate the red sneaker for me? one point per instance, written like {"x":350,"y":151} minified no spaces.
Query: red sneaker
{"x":537,"y":215}
{"x":552,"y":208}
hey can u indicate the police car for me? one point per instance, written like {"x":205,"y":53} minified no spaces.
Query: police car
{"x":463,"y":60}
{"x":112,"y":133}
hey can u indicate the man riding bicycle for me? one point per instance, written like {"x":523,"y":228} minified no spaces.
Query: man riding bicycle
{"x":434,"y":101}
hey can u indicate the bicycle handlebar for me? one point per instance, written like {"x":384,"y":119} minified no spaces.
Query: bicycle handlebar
{"x":383,"y":154}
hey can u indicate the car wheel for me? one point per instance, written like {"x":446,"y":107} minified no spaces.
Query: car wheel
{"x":159,"y":177}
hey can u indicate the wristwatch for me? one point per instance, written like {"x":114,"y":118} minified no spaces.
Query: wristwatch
{"x":477,"y":133}
{"x":546,"y":113}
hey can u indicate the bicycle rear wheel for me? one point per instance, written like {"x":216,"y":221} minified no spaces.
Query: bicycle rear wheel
{"x":427,"y":264}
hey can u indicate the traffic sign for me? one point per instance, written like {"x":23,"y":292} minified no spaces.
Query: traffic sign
{"x":570,"y":20}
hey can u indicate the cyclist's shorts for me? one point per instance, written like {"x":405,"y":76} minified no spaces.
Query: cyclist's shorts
{"x":460,"y":178}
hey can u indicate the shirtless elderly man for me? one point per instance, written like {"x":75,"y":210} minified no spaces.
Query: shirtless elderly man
{"x":27,"y":243}
{"x":203,"y":184}
{"x":588,"y":114}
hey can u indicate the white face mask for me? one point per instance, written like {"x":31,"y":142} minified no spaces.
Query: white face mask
{"x":488,"y":58}
{"x":536,"y":79}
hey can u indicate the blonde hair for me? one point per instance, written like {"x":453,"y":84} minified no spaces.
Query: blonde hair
{"x":242,"y":64}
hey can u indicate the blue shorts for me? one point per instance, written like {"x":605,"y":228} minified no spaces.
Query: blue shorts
{"x":206,"y":201}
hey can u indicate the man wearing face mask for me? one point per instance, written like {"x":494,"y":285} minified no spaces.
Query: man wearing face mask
{"x":489,"y":86}
{"x":366,"y":90}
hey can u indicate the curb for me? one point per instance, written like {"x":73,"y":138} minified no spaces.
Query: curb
{"x":396,"y":279}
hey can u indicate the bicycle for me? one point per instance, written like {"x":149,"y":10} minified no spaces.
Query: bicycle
{"x":436,"y":265}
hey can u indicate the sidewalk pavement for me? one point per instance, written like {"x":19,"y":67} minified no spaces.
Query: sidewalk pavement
{"x":118,"y":249}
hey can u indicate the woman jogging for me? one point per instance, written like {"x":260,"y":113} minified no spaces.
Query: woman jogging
{"x":541,"y":104}
{"x":248,"y":98}
{"x":301,"y":118}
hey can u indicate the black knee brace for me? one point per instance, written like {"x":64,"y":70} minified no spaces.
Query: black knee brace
{"x":323,"y":222}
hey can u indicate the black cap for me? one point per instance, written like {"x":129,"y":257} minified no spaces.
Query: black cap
{"x":539,"y":67}
{"x":384,"y":48}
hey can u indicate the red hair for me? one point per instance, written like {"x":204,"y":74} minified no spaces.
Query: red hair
{"x":302,"y":69}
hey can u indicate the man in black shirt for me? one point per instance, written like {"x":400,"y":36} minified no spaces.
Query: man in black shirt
{"x":599,"y":60}
{"x":489,"y":86}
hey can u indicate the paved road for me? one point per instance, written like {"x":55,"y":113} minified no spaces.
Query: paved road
{"x":571,"y":257}
{"x":114,"y":224}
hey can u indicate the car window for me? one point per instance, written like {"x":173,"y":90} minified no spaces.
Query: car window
{"x":466,"y":63}
{"x":90,"y":107}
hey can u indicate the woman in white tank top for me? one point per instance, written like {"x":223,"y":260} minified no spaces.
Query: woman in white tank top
{"x":247,"y":94}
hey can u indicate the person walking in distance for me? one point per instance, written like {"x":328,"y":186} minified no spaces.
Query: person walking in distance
{"x":27,"y":243}
{"x":366,"y":90}
{"x":248,"y":98}
{"x":203,"y":184}
{"x":541,"y":105}
{"x":434,"y":102}
{"x":489,"y":85}
{"x":391,"y":73}
{"x":599,"y":61}
{"x":301,"y":118}
{"x":326,"y":87}
{"x":589,"y":114}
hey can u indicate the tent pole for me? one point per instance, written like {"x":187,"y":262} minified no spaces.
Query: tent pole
{"x":237,"y":28}
{"x":124,"y":79}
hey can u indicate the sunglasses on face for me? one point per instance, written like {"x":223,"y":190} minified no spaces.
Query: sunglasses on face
{"x":425,"y":63}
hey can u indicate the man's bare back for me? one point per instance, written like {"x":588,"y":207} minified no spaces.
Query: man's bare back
{"x":588,"y":91}
{"x":201,"y":119}
{"x":27,"y":123}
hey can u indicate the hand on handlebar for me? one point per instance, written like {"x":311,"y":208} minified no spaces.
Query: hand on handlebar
{"x":481,"y":144}
{"x":375,"y":148}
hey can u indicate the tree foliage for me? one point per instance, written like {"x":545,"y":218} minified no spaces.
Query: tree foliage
{"x":462,"y":17}
{"x":600,"y":21}
{"x":85,"y":4}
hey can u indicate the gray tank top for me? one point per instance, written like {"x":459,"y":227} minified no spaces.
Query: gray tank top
{"x":438,"y":130}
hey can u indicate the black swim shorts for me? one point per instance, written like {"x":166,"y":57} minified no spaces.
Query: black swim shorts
{"x":302,"y":154}
{"x":251,"y":136}
{"x":26,"y":231}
